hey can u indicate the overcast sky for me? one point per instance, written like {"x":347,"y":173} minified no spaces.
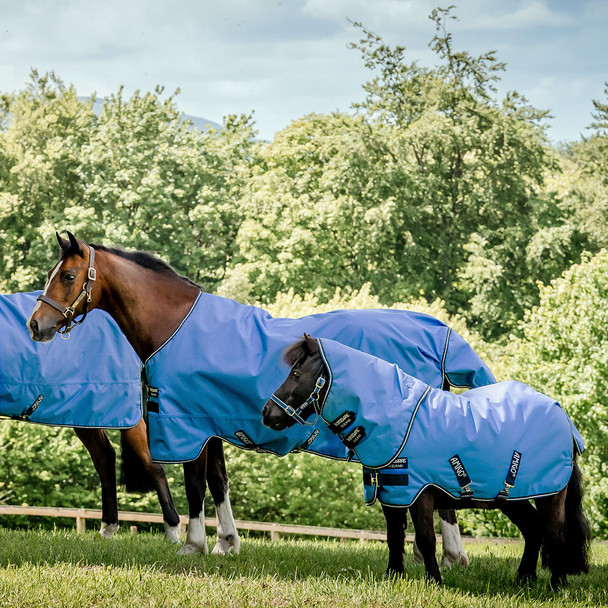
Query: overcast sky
{"x":284,"y":59}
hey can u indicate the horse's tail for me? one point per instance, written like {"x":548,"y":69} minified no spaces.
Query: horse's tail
{"x":133,"y":474}
{"x":578,"y":534}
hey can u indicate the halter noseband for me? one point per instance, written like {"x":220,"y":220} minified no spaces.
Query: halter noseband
{"x":313,"y":400}
{"x":68,"y":311}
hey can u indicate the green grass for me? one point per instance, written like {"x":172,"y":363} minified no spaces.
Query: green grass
{"x":61,"y":568}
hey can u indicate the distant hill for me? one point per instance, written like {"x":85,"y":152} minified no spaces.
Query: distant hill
{"x":202,"y":124}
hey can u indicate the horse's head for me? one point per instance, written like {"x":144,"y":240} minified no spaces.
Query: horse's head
{"x":299,"y":396}
{"x":68,"y":291}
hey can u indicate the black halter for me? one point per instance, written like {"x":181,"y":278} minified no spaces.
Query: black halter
{"x":298,"y":414}
{"x":68,"y":311}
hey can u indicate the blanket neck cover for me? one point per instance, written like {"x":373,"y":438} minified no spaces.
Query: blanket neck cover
{"x":468,"y":445}
{"x":91,"y":380}
{"x":214,"y":375}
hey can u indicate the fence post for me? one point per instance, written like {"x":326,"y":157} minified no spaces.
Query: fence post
{"x":274,"y":535}
{"x":81,"y":524}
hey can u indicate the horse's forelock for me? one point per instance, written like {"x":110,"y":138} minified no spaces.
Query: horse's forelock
{"x":295,"y":352}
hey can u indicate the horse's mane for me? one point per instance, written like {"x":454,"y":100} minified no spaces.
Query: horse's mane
{"x":145,"y":260}
{"x":301,"y":350}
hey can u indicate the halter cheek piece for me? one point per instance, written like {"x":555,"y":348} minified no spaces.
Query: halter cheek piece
{"x":68,"y":311}
{"x":297,"y":413}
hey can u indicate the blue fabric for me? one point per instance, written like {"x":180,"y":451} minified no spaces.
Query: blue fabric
{"x":91,"y":380}
{"x":218,"y":370}
{"x":488,"y":429}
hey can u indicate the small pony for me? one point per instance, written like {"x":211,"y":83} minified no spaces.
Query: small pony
{"x":492,"y":447}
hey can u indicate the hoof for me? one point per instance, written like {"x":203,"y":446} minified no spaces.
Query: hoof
{"x":189,"y":549}
{"x":449,"y":559}
{"x":172,"y":533}
{"x":227,"y":544}
{"x":526,"y":578}
{"x":107,"y":530}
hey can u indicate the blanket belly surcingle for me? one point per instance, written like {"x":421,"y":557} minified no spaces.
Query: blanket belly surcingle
{"x":214,"y":375}
{"x":91,"y":380}
{"x":409,"y":436}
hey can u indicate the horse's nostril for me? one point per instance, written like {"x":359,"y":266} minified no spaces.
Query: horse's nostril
{"x":34,"y":326}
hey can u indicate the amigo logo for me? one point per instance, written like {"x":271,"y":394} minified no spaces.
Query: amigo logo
{"x":513,"y":468}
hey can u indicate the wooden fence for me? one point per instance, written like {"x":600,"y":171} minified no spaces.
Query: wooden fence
{"x":81,"y":515}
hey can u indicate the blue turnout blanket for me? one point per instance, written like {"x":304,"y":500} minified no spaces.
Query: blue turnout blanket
{"x":504,"y":440}
{"x":91,"y":380}
{"x":214,"y":375}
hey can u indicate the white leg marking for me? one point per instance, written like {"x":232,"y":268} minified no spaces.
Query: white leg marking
{"x":172,"y":533}
{"x":196,"y":539}
{"x":107,"y":530}
{"x":453,"y":551}
{"x":418,"y":559}
{"x":227,"y":534}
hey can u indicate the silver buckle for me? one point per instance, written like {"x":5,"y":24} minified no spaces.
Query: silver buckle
{"x":92,"y":274}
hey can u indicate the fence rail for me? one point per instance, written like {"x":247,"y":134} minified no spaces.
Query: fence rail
{"x":275,"y":529}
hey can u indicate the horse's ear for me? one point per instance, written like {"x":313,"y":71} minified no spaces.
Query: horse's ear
{"x":74,"y":246}
{"x":63,"y":243}
{"x":311,"y":344}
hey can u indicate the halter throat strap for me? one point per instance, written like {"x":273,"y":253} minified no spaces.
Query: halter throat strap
{"x":298,"y":414}
{"x":68,"y":311}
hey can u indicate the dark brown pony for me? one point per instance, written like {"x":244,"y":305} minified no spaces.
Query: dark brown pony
{"x":148,"y":301}
{"x":557,"y":524}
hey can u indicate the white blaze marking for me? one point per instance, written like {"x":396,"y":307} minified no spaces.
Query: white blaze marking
{"x":46,"y":287}
{"x":227,"y":534}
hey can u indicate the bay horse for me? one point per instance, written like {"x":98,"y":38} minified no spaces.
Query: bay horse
{"x":151,"y":304}
{"x":387,"y":415}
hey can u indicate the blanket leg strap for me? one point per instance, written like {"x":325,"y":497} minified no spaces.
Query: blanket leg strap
{"x":511,"y":476}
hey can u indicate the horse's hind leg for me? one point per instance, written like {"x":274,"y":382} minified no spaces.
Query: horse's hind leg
{"x":104,"y":459}
{"x":137,"y":438}
{"x":453,"y":551}
{"x":195,"y":473}
{"x":422,"y":516}
{"x":396,"y":524}
{"x":553,"y":513}
{"x":528,"y":520}
{"x":217,"y":480}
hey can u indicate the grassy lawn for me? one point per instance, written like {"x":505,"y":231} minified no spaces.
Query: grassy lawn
{"x":41,"y":568}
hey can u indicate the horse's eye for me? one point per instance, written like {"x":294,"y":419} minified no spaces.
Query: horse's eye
{"x":296,"y":373}
{"x":69,"y":278}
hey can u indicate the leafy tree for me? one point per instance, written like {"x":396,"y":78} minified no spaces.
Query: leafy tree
{"x":39,"y":154}
{"x":433,"y":189}
{"x":564,"y":353}
{"x":153,"y":182}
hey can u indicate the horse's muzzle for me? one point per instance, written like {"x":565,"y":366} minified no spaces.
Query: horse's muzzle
{"x":41,"y":334}
{"x":274,"y":417}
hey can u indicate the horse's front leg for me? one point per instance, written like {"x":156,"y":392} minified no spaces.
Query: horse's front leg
{"x":195,"y":473}
{"x":422,"y":516}
{"x":104,"y":459}
{"x":217,"y":479}
{"x":396,"y":524}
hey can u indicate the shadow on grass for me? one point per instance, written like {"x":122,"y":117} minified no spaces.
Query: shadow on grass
{"x":492,"y":570}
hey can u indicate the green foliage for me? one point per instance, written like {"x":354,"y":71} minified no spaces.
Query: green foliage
{"x":434,"y":189}
{"x":564,"y":353}
{"x":137,"y":176}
